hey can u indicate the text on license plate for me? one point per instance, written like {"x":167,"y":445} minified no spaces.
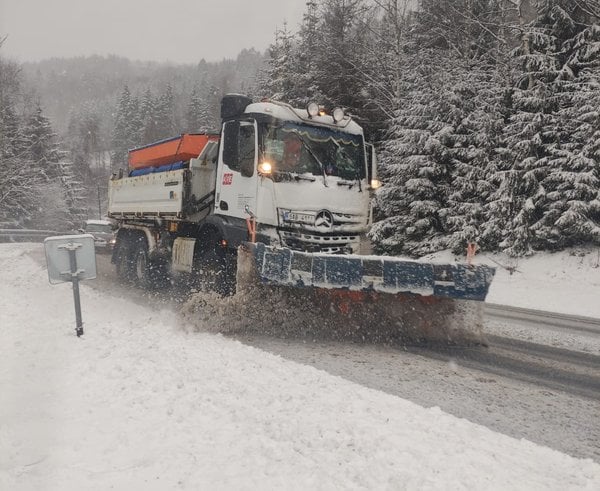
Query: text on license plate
{"x":293,"y":216}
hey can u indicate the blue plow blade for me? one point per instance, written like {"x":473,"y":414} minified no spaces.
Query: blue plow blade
{"x":281,"y":266}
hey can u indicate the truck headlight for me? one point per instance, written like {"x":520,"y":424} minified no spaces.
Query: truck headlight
{"x":265,"y":168}
{"x":375,"y":184}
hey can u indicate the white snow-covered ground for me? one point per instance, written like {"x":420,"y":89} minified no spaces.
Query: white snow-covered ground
{"x":141,"y":403}
{"x":567,"y":282}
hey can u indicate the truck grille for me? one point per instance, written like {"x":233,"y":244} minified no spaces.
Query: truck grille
{"x":320,"y":231}
{"x":312,"y":242}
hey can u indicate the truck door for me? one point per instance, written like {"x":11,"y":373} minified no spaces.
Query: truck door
{"x":237,"y":179}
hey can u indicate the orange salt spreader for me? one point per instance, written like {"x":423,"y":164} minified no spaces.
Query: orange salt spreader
{"x":180,"y":148}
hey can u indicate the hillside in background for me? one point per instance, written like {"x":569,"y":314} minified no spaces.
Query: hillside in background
{"x":65,"y":85}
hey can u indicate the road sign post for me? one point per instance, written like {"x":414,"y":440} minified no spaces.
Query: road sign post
{"x":78,"y":264}
{"x":72,"y":247}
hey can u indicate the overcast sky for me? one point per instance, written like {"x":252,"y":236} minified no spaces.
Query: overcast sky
{"x":159,"y":30}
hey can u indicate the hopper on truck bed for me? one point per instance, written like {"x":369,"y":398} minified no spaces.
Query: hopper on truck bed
{"x":181,"y":148}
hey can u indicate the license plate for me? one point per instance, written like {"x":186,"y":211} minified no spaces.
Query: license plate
{"x":293,"y":216}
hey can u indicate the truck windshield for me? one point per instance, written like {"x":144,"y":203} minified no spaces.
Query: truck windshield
{"x":303,"y":149}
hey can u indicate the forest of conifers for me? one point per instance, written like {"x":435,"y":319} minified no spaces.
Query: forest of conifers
{"x":486,"y":115}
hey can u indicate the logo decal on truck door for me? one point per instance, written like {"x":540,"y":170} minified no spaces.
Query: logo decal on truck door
{"x":227,"y":179}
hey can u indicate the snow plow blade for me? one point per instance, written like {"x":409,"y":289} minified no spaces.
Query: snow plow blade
{"x":367,"y":297}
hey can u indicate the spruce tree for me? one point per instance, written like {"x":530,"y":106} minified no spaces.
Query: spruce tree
{"x":148,"y":118}
{"x":570,"y":203}
{"x":304,"y":69}
{"x":474,"y":103}
{"x":41,"y":143}
{"x":165,"y":114}
{"x":126,"y":129}
{"x":198,"y":116}
{"x":554,"y":187}
{"x":281,"y":71}
{"x":416,"y":166}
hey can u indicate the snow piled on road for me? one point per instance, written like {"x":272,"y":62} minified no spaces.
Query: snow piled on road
{"x":141,"y":403}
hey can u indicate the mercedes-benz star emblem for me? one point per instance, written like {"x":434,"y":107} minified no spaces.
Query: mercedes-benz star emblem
{"x":324,"y":220}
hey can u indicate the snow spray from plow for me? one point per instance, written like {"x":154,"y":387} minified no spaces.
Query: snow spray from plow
{"x":362,"y":298}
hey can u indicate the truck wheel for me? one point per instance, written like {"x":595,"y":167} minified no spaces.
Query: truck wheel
{"x":211,"y":269}
{"x":149,"y":273}
{"x":124,"y":262}
{"x":142,"y":265}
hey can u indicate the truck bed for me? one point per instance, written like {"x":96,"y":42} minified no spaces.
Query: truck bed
{"x":161,"y":193}
{"x":182,"y":194}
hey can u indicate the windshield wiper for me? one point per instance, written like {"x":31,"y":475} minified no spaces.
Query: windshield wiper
{"x":299,"y":177}
{"x":312,"y":154}
{"x":293,"y":175}
{"x":356,"y":173}
{"x":358,"y":181}
{"x":350,"y":184}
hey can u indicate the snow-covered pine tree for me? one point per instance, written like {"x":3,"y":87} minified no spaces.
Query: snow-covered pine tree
{"x":126,"y":129}
{"x":40,"y":142}
{"x":416,"y":165}
{"x":547,"y":172}
{"x":73,"y":196}
{"x":438,"y":154}
{"x":39,"y":185}
{"x":198,"y":115}
{"x":474,"y":105}
{"x":339,"y":53}
{"x":570,"y":204}
{"x":467,"y":36}
{"x":19,"y":183}
{"x":305,"y":74}
{"x":279,"y":77}
{"x":11,"y":138}
{"x":165,"y":114}
{"x":18,"y":179}
{"x":85,"y":141}
{"x":384,"y":59}
{"x":148,"y":115}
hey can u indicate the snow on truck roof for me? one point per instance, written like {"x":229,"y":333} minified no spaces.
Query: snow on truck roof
{"x":288,"y":113}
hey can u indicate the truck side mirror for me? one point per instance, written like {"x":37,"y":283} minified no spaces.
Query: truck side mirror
{"x":231,"y":135}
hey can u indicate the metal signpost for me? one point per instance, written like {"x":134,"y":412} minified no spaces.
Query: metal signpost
{"x":71,"y":258}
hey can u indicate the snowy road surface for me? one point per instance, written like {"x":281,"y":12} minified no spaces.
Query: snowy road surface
{"x":141,"y":402}
{"x":532,"y":382}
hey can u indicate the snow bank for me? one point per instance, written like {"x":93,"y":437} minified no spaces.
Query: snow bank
{"x":567,"y":282}
{"x":139,"y":403}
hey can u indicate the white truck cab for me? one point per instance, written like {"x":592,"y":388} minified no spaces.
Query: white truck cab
{"x":303,"y":177}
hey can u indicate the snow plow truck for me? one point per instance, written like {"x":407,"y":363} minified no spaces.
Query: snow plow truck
{"x":281,"y":199}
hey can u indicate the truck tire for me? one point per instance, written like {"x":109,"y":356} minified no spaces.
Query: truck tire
{"x":211,"y":267}
{"x":142,"y":265}
{"x":148,"y":273}
{"x":124,"y":261}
